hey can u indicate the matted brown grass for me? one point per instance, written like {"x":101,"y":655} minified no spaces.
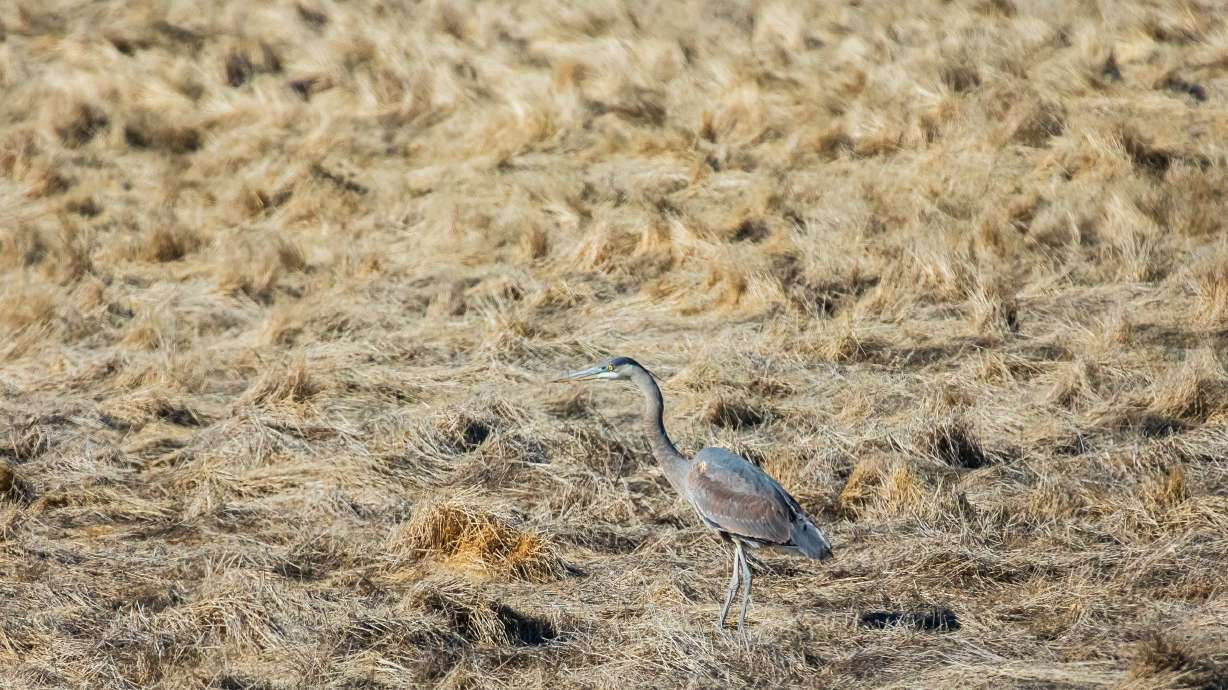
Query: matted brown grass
{"x":282,"y":283}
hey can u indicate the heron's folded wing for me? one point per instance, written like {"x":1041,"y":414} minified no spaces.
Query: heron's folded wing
{"x":738,"y":497}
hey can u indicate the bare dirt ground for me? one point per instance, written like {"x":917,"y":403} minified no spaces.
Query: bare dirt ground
{"x":281,"y":286}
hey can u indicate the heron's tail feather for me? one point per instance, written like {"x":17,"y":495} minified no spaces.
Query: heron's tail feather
{"x":810,"y":541}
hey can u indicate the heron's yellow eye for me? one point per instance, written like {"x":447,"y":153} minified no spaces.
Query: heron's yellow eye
{"x":609,"y":367}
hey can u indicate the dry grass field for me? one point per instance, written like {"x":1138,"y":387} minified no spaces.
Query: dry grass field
{"x":282,"y":285}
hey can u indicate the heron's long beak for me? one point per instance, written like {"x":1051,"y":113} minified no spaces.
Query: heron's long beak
{"x":591,"y":374}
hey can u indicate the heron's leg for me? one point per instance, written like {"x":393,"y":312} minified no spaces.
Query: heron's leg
{"x":733,"y":586}
{"x":746,"y":577}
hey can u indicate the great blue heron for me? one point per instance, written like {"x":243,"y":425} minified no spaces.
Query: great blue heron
{"x":732,"y":496}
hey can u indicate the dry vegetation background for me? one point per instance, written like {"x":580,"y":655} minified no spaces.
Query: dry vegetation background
{"x":281,"y":283}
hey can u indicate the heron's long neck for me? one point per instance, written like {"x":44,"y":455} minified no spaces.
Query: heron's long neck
{"x":672,"y":462}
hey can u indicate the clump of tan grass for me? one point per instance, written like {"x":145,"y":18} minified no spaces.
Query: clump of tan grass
{"x":148,"y":331}
{"x":842,"y":340}
{"x":879,"y":487}
{"x":1166,"y":491}
{"x":1074,"y":383}
{"x":456,"y":528}
{"x":163,"y":243}
{"x":1196,"y":204}
{"x":950,"y":438}
{"x":995,"y":312}
{"x":27,"y":305}
{"x":1034,"y":121}
{"x":734,"y":414}
{"x":1161,"y":658}
{"x":1192,"y":392}
{"x":14,"y":490}
{"x":256,"y":267}
{"x":462,"y":431}
{"x":463,"y":607}
{"x":1210,"y":284}
{"x":293,"y":384}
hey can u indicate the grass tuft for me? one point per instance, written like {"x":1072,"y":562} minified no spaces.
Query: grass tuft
{"x":1162,"y":658}
{"x":455,"y":528}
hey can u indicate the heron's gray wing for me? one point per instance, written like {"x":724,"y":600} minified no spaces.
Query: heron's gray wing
{"x":737,"y":497}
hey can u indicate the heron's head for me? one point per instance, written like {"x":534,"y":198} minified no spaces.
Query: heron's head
{"x":613,"y":369}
